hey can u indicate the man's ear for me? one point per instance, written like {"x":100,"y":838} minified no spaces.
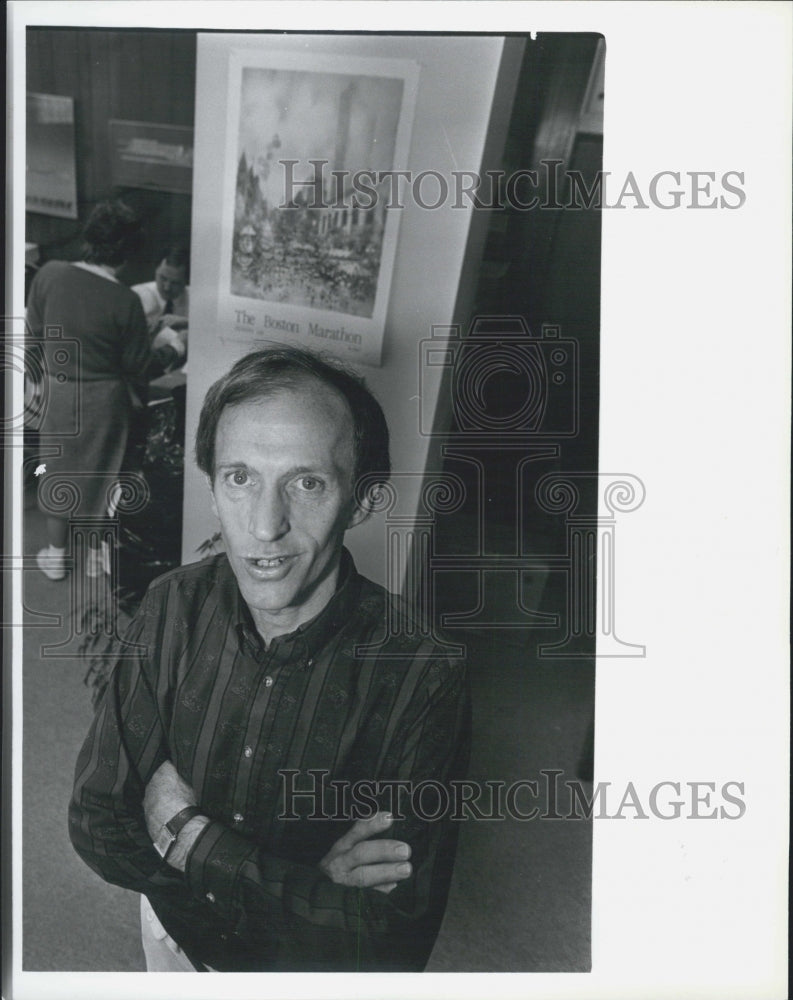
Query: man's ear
{"x":358,"y":516}
{"x":362,"y":503}
{"x":367,"y":499}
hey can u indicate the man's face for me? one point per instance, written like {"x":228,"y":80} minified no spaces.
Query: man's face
{"x":283,"y":491}
{"x":170,"y":280}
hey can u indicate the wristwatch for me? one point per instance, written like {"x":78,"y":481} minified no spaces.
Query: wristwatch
{"x":166,"y":838}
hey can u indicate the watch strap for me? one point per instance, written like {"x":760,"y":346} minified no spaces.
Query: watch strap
{"x":175,"y":824}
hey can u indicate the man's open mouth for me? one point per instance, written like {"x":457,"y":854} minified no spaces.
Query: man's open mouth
{"x":270,"y":563}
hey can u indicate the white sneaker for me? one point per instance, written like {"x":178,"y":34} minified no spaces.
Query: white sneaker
{"x":98,"y":561}
{"x":53,"y":566}
{"x":93,"y":563}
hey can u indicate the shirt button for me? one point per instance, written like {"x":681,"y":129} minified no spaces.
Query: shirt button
{"x":211,"y":897}
{"x":238,"y":817}
{"x":268,"y":682}
{"x":248,"y":752}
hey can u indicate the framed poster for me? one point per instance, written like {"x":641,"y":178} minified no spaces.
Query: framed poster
{"x":310,"y":203}
{"x":50,"y":173}
{"x":148,"y":155}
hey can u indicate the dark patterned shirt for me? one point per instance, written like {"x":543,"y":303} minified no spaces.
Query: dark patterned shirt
{"x":259,"y":734}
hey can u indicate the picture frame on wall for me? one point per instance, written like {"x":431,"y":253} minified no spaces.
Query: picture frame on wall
{"x":51,"y":173}
{"x":152,"y":156}
{"x":310,"y":200}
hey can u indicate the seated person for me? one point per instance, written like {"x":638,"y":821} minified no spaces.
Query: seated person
{"x":165,"y":304}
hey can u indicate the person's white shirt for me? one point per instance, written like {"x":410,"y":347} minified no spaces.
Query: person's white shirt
{"x":169,"y":289}
{"x":154,"y":303}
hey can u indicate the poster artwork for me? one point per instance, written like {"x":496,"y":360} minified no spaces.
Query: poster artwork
{"x":312,"y":240}
{"x":51,"y":173}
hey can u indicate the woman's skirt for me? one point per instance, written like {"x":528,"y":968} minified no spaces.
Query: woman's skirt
{"x":88,"y":423}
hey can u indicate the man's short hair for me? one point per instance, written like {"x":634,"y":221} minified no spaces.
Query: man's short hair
{"x":113,"y":234}
{"x":176,"y":255}
{"x":266,"y":372}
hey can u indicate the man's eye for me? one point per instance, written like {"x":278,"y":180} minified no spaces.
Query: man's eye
{"x":239,"y":477}
{"x":310,"y":484}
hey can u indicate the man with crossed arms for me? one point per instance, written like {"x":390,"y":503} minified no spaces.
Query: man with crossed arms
{"x":277,"y":661}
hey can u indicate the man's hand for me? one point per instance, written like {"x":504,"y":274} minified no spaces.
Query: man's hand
{"x":355,"y":860}
{"x":173,"y":321}
{"x":167,"y":794}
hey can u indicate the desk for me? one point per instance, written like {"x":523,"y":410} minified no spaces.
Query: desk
{"x":172,"y":385}
{"x":162,"y":387}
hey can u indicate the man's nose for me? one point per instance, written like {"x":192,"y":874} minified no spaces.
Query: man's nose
{"x":269,"y":516}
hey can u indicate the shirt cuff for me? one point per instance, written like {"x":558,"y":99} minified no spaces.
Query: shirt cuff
{"x":169,"y":338}
{"x":213,"y":865}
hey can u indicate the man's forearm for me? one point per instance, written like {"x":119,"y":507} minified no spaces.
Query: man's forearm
{"x":328,"y":925}
{"x":118,"y":850}
{"x":319,"y":924}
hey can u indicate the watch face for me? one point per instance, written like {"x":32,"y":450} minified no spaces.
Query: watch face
{"x":164,"y":841}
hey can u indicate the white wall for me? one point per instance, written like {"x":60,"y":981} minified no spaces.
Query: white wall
{"x":460,"y":79}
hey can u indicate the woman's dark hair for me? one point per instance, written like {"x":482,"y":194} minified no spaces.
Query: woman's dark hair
{"x":112,"y":234}
{"x":269,"y":371}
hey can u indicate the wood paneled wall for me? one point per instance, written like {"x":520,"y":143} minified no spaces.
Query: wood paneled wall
{"x":146,"y":76}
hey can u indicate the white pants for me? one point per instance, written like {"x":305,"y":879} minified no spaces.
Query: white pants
{"x":162,"y":953}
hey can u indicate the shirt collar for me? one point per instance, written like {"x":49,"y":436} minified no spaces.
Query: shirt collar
{"x":310,"y":637}
{"x":162,"y":300}
{"x":97,"y":269}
